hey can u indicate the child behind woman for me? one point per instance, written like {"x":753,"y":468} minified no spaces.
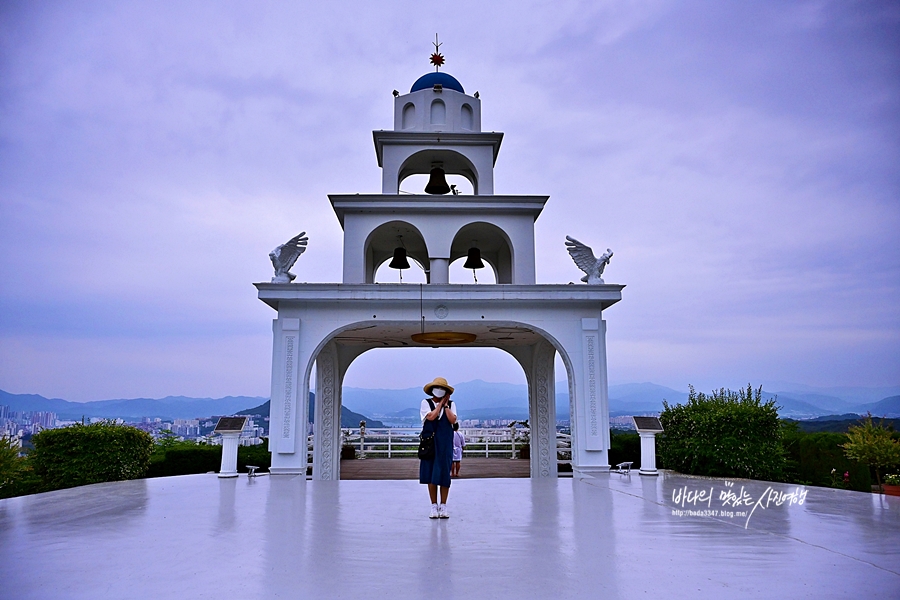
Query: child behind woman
{"x":459,"y":442}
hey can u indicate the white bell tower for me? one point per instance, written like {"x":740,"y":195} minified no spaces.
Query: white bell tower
{"x":437,"y":131}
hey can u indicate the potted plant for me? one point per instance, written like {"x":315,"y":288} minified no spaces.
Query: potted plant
{"x":891,"y":485}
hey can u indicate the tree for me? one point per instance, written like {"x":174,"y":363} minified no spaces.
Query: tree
{"x":12,"y":467}
{"x":724,"y":434}
{"x":873,"y":445}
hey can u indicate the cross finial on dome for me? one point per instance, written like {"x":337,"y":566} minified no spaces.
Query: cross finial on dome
{"x":437,"y":59}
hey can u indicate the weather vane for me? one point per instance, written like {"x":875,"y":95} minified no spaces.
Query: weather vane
{"x":437,"y":59}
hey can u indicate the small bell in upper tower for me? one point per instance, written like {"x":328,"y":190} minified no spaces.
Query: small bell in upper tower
{"x":437,"y":184}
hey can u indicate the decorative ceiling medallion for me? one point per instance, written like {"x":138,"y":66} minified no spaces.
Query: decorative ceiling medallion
{"x":444,"y":338}
{"x":441,"y":311}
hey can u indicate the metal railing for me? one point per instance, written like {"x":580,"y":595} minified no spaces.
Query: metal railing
{"x":402,"y":442}
{"x":398,"y":442}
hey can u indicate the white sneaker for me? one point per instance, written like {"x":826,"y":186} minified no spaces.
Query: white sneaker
{"x":443,"y":513}
{"x":435,"y":512}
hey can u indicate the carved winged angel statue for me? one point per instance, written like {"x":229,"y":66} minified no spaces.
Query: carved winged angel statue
{"x":284,"y":256}
{"x":587,"y":262}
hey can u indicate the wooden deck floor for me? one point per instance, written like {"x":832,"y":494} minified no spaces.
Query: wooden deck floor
{"x":408,"y":468}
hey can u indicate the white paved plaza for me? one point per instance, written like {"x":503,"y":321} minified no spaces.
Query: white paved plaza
{"x":613,"y":536}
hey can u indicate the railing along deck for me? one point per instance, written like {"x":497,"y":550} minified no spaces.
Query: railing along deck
{"x":402,"y":442}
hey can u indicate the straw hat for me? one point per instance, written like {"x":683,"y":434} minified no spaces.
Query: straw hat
{"x":438,"y":382}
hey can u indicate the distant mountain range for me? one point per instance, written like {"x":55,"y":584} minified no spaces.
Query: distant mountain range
{"x":348,"y":417}
{"x":476,"y":399}
{"x":483,"y":400}
{"x":170,"y":407}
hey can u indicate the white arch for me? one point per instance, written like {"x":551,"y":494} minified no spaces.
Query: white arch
{"x":537,"y":362}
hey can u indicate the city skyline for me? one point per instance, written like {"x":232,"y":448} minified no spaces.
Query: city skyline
{"x":738,"y":159}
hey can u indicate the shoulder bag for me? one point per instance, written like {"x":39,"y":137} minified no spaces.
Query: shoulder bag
{"x":426,"y":439}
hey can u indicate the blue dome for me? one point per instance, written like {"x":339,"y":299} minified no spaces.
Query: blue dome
{"x":429,"y":80}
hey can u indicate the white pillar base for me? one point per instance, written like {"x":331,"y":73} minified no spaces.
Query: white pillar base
{"x":648,"y":453}
{"x":229,"y":454}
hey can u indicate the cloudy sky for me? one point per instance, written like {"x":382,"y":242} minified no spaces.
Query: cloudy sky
{"x":740,"y":158}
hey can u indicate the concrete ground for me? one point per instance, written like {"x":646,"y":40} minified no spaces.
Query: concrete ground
{"x":613,"y":536}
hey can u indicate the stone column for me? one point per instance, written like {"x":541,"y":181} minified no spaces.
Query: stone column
{"x":542,"y":411}
{"x":327,"y":417}
{"x":440,"y":270}
{"x":228,"y":467}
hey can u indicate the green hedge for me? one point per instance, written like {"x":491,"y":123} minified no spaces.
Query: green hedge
{"x":724,"y":434}
{"x":812,"y":456}
{"x":188,"y":458}
{"x":84,"y":454}
{"x":624,"y":447}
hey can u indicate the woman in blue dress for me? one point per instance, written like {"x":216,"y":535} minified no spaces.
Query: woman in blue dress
{"x":438,"y":414}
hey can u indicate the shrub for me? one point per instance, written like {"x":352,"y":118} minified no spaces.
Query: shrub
{"x":725,"y":434}
{"x":84,"y":454}
{"x":873,"y":445}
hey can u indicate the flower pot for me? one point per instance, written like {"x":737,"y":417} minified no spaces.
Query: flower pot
{"x":891,"y":490}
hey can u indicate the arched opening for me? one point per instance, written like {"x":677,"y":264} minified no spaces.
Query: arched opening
{"x":379,"y":250}
{"x":466,"y":117}
{"x":438,"y":112}
{"x":386,"y":379}
{"x":453,"y":163}
{"x":491,"y":391}
{"x":409,"y":116}
{"x":495,"y":248}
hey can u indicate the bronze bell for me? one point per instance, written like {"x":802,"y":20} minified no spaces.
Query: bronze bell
{"x":437,"y":184}
{"x":473,"y":260}
{"x":399,"y":261}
